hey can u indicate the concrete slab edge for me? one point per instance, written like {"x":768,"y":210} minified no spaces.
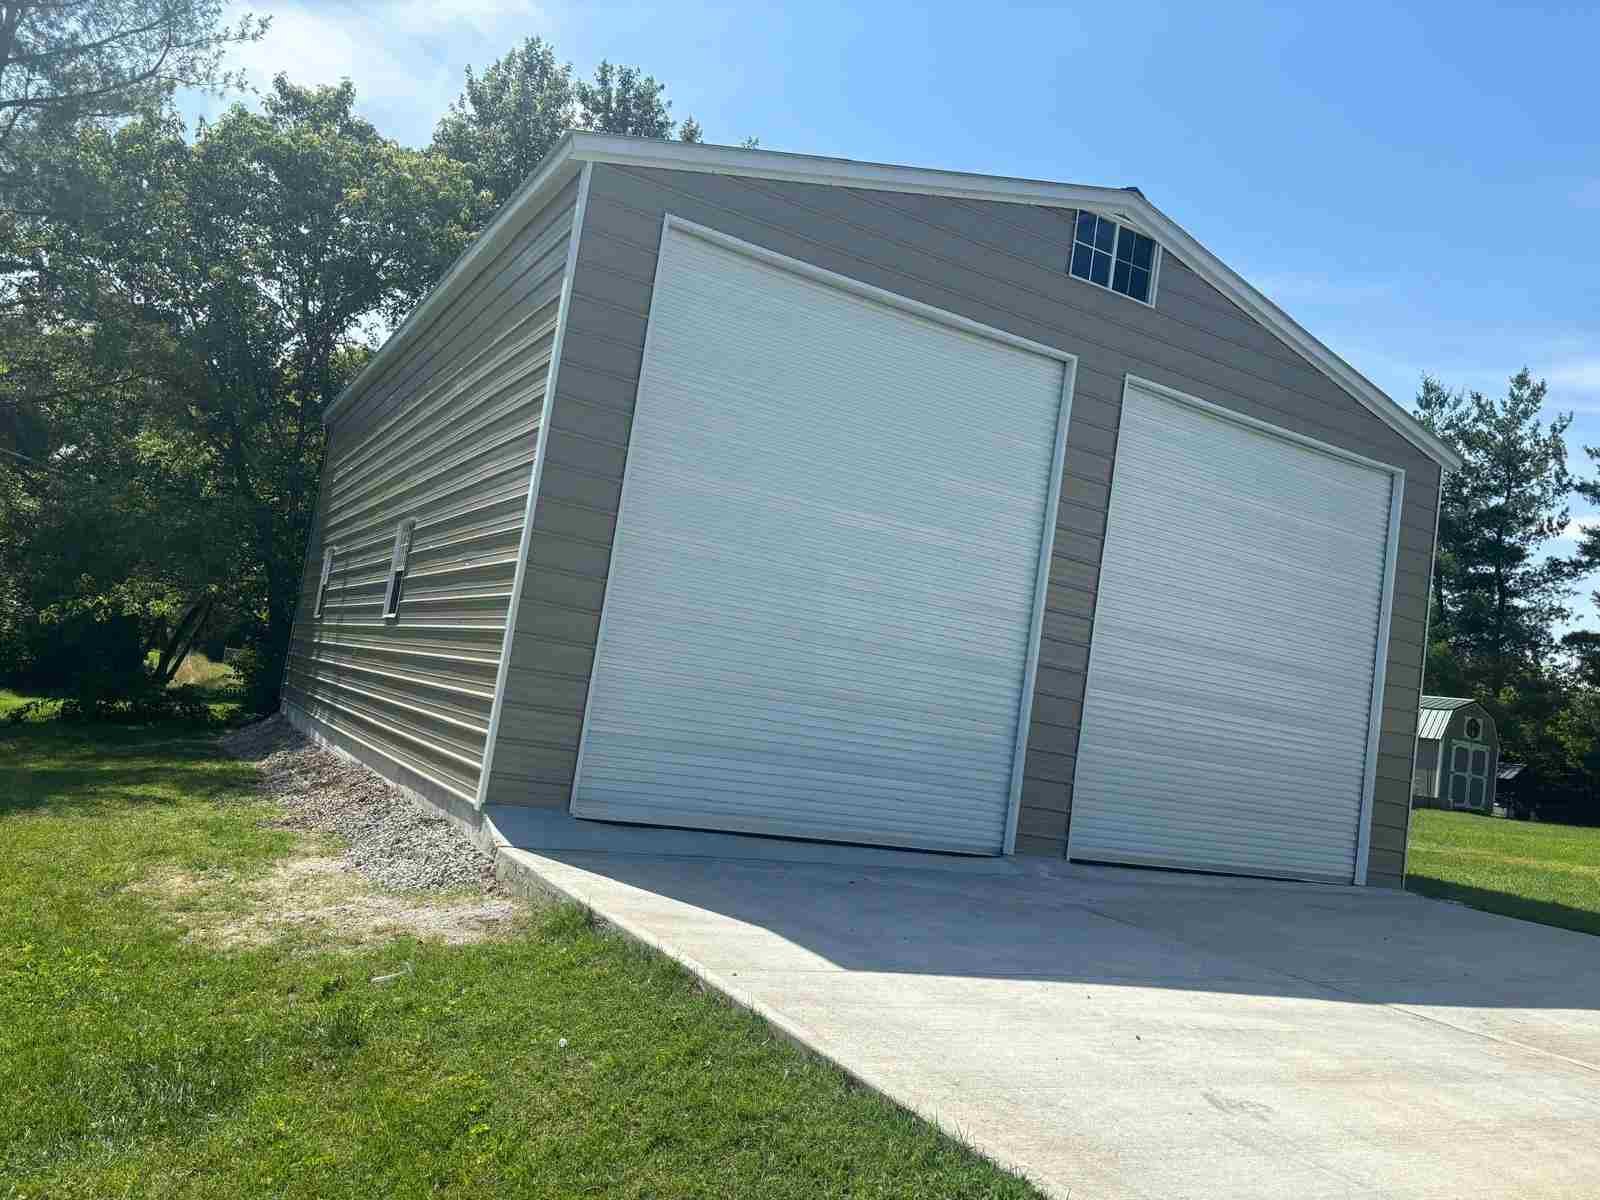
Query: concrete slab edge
{"x":525,"y":873}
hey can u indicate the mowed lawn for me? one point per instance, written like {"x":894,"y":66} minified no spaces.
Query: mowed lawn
{"x":556,"y":1060}
{"x":1546,"y":873}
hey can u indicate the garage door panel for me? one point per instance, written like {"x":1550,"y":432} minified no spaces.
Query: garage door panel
{"x":687,"y":554}
{"x":805,"y":504}
{"x":822,"y":583}
{"x":848,"y":698}
{"x":1228,"y":702}
{"x":1191,"y":688}
{"x":1276,"y":558}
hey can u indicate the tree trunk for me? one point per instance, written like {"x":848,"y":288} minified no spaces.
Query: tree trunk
{"x":177,"y":644}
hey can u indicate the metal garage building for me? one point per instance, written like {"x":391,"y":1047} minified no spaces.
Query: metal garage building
{"x":755,"y":492}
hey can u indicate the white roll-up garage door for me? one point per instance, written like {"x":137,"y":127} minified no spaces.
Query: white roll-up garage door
{"x":1229,"y":696}
{"x":822,"y":587}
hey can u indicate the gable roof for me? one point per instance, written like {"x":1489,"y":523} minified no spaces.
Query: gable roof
{"x":578,"y":147}
{"x":1435,"y":712}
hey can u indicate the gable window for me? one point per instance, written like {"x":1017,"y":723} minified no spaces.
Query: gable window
{"x":1473,"y":728}
{"x":397,"y":567}
{"x":1113,"y":256}
{"x":327,"y":574}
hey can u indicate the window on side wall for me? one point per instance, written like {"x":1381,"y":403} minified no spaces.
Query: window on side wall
{"x":1474,"y":728}
{"x":397,"y":567}
{"x":327,"y":575}
{"x":1113,"y":256}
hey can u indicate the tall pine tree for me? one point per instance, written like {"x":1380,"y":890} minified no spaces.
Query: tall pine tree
{"x":1497,"y":593}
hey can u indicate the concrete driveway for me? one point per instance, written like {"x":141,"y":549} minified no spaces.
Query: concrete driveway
{"x":1140,"y":1034}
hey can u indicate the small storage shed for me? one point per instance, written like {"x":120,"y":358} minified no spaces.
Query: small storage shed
{"x":743,"y":491}
{"x":1458,"y":755}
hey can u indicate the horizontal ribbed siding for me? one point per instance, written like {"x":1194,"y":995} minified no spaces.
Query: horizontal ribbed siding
{"x":447,"y":438}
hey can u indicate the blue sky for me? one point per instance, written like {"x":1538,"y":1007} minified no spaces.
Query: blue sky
{"x":1420,"y":189}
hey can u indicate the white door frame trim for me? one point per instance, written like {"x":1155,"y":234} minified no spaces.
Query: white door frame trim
{"x":670,"y":222}
{"x":1386,"y":602}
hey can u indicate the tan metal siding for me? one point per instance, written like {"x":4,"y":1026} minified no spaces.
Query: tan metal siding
{"x":446,"y":437}
{"x":1003,"y":265}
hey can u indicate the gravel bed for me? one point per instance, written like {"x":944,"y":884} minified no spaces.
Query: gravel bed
{"x":391,"y":839}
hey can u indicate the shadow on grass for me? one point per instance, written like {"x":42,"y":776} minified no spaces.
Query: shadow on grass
{"x":1545,"y":912}
{"x":73,"y":766}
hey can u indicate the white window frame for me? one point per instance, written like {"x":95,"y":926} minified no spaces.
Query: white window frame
{"x":1121,"y":224}
{"x":403,"y":534}
{"x":323,"y":582}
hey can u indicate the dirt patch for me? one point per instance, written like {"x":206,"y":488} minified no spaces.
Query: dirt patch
{"x":319,"y":899}
{"x":395,"y":868}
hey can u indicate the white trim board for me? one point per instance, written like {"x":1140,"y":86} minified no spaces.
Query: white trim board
{"x":1129,"y":205}
{"x":535,"y":474}
{"x":1069,"y":364}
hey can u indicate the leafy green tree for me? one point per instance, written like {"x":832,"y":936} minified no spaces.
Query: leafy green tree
{"x":67,"y":61}
{"x":625,"y":100}
{"x":506,"y":120}
{"x":262,"y":258}
{"x":509,"y":117}
{"x":1497,"y":594}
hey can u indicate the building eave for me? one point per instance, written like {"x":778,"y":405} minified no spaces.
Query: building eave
{"x":578,"y":147}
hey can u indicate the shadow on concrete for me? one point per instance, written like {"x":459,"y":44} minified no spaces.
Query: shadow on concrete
{"x":883,"y":911}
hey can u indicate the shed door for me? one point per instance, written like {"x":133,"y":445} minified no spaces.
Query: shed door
{"x":1469,"y":775}
{"x":1225,"y":722}
{"x":822,"y":583}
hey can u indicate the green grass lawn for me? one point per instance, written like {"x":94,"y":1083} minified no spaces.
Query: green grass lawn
{"x":556,"y":1060}
{"x":1545,"y":873}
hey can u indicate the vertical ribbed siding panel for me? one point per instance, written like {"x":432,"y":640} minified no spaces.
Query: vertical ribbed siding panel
{"x":446,"y":438}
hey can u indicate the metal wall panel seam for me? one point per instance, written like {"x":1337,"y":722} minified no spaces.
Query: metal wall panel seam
{"x":1380,"y":666}
{"x":1030,"y":670}
{"x":580,"y":206}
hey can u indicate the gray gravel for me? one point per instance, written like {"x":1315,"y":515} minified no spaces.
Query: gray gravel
{"x":391,"y":839}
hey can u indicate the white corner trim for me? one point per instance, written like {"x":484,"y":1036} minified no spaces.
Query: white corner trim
{"x":1369,"y":782}
{"x":1125,"y":204}
{"x":535,"y":475}
{"x":1041,"y":588}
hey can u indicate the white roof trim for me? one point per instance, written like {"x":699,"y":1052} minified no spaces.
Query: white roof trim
{"x":579,"y":147}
